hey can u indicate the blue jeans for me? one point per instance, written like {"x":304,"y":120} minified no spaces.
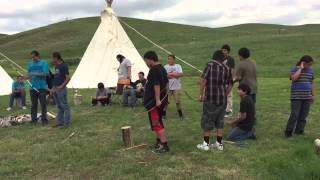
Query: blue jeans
{"x":21,"y":95}
{"x":236,"y":134}
{"x":133,"y":97}
{"x":254,"y":98}
{"x":299,"y":113}
{"x":35,"y":97}
{"x":64,"y":112}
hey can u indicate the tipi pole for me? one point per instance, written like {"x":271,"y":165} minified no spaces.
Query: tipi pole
{"x":17,"y":65}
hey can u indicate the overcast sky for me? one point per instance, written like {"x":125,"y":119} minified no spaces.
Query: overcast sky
{"x":21,"y":15}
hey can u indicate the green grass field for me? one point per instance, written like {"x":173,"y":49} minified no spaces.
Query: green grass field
{"x":94,"y":152}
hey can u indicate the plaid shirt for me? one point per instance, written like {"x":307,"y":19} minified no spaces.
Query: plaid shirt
{"x":218,"y":77}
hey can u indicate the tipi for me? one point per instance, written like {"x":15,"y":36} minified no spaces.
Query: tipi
{"x":99,"y":62}
{"x":5,"y":83}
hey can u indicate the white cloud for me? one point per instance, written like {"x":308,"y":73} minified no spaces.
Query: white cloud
{"x":20,"y":15}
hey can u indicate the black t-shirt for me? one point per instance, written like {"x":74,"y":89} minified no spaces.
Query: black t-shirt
{"x":143,"y":82}
{"x":61,"y":70}
{"x":157,"y":76}
{"x":230,"y":62}
{"x":247,"y":106}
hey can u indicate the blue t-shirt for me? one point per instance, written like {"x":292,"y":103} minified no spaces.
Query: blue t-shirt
{"x":16,"y":85}
{"x":301,"y":89}
{"x":42,"y":67}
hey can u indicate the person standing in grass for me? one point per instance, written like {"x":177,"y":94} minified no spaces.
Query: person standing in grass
{"x":302,"y":95}
{"x":124,"y":73}
{"x":215,"y":85}
{"x":229,"y":61}
{"x":18,"y":91}
{"x":38,"y":71}
{"x":246,"y":73}
{"x":156,"y":99}
{"x":175,"y":74}
{"x":60,"y":93}
{"x":242,"y":127}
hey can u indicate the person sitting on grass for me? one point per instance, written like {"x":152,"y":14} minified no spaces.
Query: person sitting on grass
{"x":102,"y":96}
{"x":135,"y":90}
{"x":302,"y":95}
{"x":242,"y":127}
{"x":18,"y":91}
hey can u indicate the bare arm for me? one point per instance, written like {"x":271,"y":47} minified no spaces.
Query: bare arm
{"x":157,"y":94}
{"x":242,"y":117}
{"x":66,"y":81}
{"x":38,"y":74}
{"x":177,"y":75}
{"x":296,"y":75}
{"x":313,"y":92}
{"x":203,"y":83}
{"x":129,"y":72}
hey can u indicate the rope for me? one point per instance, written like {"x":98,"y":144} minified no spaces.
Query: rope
{"x":166,"y":51}
{"x":160,"y":47}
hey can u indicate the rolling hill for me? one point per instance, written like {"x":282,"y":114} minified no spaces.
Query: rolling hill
{"x":92,"y":148}
{"x":273,"y":51}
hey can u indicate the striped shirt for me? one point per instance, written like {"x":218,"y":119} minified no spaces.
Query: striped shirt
{"x":218,"y":76}
{"x":301,"y":89}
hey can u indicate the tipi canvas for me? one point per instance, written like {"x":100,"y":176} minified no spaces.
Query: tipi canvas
{"x":5,"y":83}
{"x":99,"y":62}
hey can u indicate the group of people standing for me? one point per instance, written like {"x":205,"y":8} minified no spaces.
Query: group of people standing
{"x":38,"y":73}
{"x":162,"y":82}
{"x":217,"y":81}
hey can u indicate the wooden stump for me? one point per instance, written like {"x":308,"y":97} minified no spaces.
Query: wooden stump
{"x":127,"y":136}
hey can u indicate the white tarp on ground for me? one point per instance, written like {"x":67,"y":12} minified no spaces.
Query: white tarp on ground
{"x":99,"y":62}
{"x":5,"y":83}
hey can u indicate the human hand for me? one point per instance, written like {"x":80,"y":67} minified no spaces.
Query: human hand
{"x":302,"y":65}
{"x":313,"y":98}
{"x":158,"y":103}
{"x":61,"y":87}
{"x":201,"y":98}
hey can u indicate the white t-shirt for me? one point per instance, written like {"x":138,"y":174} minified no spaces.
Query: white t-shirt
{"x":174,"y":83}
{"x":123,"y":69}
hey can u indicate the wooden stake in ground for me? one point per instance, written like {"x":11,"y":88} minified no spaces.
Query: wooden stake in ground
{"x":127,"y":136}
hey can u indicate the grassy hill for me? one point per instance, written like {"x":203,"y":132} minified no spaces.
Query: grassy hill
{"x":273,"y":51}
{"x":96,"y":151}
{"x":2,"y":35}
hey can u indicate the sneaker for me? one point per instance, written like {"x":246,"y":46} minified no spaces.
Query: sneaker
{"x":288,"y":134}
{"x":218,"y":146}
{"x":155,"y":146}
{"x":253,"y":137}
{"x":299,"y":132}
{"x":24,"y":107}
{"x":45,"y":123}
{"x":58,"y":126}
{"x":228,"y":114}
{"x":9,"y":109}
{"x":204,"y":146}
{"x":162,"y":149}
{"x":181,"y":118}
{"x":164,"y":118}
